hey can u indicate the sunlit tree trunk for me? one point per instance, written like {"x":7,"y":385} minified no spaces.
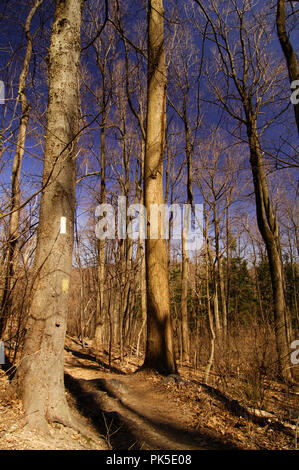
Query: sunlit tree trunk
{"x":159,"y":346}
{"x":40,"y":376}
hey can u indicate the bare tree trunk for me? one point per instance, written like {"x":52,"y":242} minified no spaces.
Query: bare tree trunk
{"x":210,"y":317}
{"x":184,"y":300}
{"x":216,"y":309}
{"x":99,"y":324}
{"x":227,"y":268}
{"x":159,"y":346}
{"x":142,"y":256}
{"x":219,"y":278}
{"x":13,"y":230}
{"x":223,"y":298}
{"x":269,"y":231}
{"x":185,"y":258}
{"x":142,"y":331}
{"x":40,"y":376}
{"x":100,"y":320}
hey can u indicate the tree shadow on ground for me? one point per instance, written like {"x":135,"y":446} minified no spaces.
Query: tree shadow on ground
{"x":94,"y":358}
{"x":107,"y":424}
{"x":130,"y":429}
{"x":201,"y":439}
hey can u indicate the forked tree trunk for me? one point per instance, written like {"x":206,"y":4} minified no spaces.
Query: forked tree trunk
{"x":159,"y":346}
{"x":40,"y":376}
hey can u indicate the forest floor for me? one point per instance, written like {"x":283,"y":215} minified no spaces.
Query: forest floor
{"x":126,"y":410}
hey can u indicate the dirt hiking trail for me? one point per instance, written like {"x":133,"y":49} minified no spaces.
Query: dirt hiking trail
{"x":123,"y":410}
{"x":154,"y":413}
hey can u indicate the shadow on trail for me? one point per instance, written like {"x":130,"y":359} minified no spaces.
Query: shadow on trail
{"x":88,"y":403}
{"x":94,"y":358}
{"x":168,"y":431}
{"x":130,"y":428}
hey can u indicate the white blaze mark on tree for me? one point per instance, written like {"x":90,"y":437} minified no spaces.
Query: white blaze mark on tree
{"x":62,"y":224}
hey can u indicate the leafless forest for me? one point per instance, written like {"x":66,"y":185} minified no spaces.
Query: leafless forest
{"x":112,"y":112}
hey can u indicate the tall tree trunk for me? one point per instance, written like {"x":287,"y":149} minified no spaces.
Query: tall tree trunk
{"x":159,"y":345}
{"x":269,"y":231}
{"x":219,"y":277}
{"x":223,"y":298}
{"x":184,"y":299}
{"x":227,"y":265}
{"x":40,"y":376}
{"x":99,"y":323}
{"x":185,"y":258}
{"x":210,"y":316}
{"x":142,"y":255}
{"x":14,"y":219}
{"x":289,"y":53}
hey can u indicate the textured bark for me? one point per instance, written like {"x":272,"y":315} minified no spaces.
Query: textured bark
{"x":40,"y":376}
{"x":159,"y":346}
{"x":13,"y":230}
{"x":289,"y":53}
